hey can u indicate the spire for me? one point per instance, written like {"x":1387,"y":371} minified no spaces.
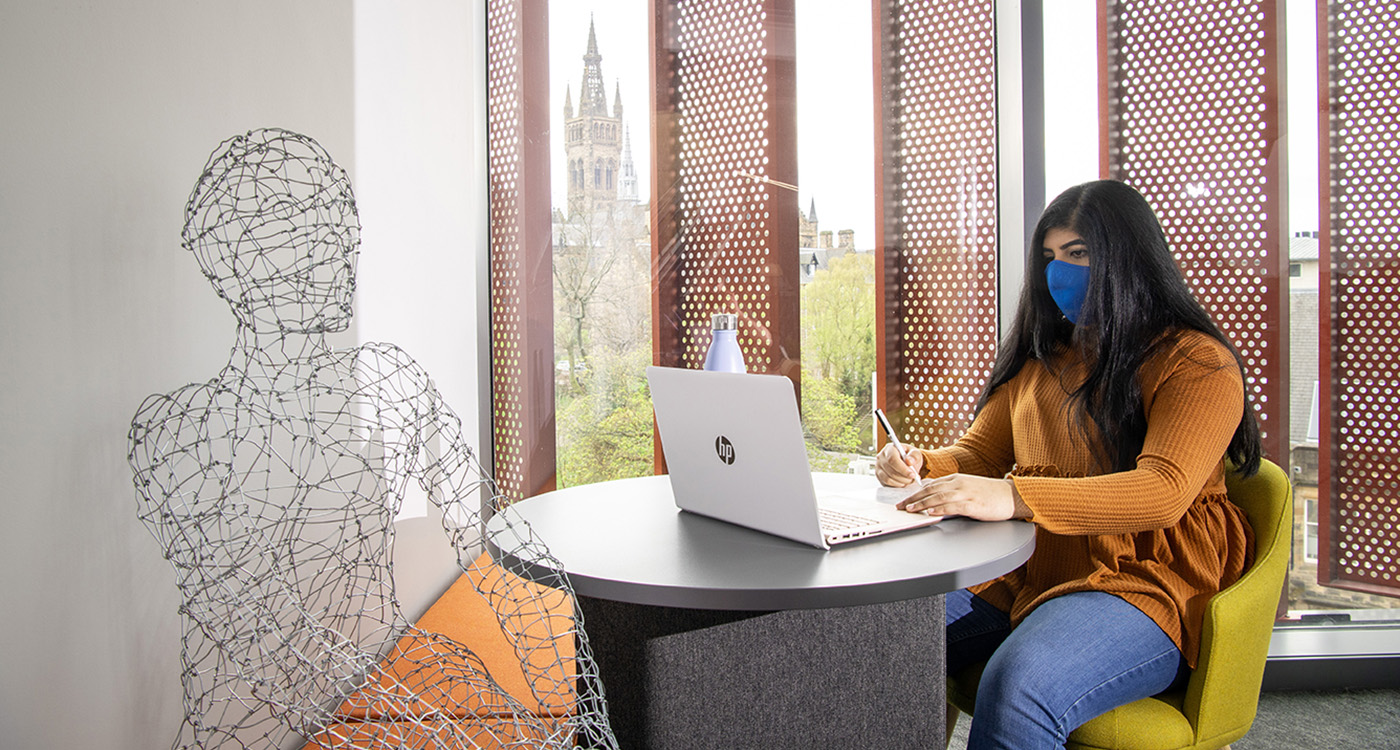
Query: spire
{"x":627,"y":184}
{"x":617,"y":100}
{"x":812,"y":214}
{"x":568,"y":103}
{"x":592,"y":100}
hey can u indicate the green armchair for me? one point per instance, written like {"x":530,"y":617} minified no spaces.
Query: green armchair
{"x":1217,"y":707}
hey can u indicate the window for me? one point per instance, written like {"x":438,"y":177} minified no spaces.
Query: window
{"x":836,"y":167}
{"x":735,"y":200}
{"x":601,"y":256}
{"x":1310,"y":530}
{"x":1213,"y":249}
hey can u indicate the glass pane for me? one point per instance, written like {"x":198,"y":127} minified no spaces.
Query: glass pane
{"x":835,"y":158}
{"x":1358,"y":513}
{"x":1071,"y":80}
{"x":1071,"y":88}
{"x":602,"y":248}
{"x":601,"y":254}
{"x":1310,"y":531}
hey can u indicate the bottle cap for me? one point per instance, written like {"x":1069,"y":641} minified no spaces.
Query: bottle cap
{"x":724,"y":322}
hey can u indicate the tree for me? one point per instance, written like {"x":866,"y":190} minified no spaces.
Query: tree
{"x":601,"y":273}
{"x":838,"y":324}
{"x":838,"y":352}
{"x":606,"y":433}
{"x":583,"y":256}
{"x":829,"y":415}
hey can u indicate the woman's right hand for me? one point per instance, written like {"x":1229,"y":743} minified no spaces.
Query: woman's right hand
{"x":893,"y":470}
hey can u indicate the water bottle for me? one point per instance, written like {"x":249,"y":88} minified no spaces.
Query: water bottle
{"x":724,"y":354}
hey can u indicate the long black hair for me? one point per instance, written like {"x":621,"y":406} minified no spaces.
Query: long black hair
{"x":1136,"y":299}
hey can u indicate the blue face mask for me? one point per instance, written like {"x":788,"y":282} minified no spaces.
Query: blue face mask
{"x":1068,"y":285}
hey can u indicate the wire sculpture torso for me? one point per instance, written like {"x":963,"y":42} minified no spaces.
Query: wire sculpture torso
{"x":272,"y":489}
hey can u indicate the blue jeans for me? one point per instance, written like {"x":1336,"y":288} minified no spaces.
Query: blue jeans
{"x":1072,"y":658}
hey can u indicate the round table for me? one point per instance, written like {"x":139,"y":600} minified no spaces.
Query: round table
{"x":626,"y":541}
{"x":708,"y":634}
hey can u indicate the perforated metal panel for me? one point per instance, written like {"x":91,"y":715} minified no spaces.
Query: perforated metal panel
{"x":726,"y":237}
{"x":937,"y":317}
{"x":522,"y":310}
{"x":1360,"y":305}
{"x":1194,"y":111}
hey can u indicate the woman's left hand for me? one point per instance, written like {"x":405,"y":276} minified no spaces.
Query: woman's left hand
{"x":981,"y":498}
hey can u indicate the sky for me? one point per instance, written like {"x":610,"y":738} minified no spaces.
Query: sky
{"x":835,"y":139}
{"x":835,"y":144}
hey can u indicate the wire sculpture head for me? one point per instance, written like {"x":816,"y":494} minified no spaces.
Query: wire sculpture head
{"x":273,"y":224}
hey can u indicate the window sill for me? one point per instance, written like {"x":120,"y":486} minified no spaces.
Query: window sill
{"x":1317,"y":655}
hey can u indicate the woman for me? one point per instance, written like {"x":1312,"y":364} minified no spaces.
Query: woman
{"x":1107,"y":422}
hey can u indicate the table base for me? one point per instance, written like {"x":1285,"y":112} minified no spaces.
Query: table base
{"x":864,"y":676}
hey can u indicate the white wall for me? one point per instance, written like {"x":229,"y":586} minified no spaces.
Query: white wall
{"x":420,"y":132}
{"x":107,"y":114}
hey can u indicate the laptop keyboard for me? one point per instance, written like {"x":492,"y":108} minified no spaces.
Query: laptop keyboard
{"x":836,"y":521}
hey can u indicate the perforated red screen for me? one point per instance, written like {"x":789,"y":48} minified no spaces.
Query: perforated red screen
{"x":1359,"y":473}
{"x":522,"y":310}
{"x":726,"y":234}
{"x":1193,"y":104}
{"x":937,"y":230}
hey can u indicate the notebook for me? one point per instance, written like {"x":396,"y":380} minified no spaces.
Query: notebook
{"x":734,"y":447}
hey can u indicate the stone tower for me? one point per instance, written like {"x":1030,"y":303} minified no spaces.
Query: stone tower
{"x":592,"y":137}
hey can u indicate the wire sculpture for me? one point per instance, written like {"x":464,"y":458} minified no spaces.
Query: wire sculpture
{"x":273,"y":487}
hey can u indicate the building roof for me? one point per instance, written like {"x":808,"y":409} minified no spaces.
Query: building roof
{"x":1302,"y":247}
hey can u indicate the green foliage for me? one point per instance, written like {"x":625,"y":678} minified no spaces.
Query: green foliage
{"x":604,"y":417}
{"x":605,"y":432}
{"x":838,"y":324}
{"x":821,"y":460}
{"x":838,"y":353}
{"x":829,"y":415}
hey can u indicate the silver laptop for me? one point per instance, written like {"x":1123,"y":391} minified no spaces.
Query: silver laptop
{"x":733,"y":444}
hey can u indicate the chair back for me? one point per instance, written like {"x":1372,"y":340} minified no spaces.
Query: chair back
{"x":1223,"y":693}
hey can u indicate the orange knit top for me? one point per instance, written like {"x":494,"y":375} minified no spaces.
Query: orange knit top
{"x":1162,"y":536}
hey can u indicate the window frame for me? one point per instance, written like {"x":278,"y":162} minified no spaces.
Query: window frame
{"x":1020,"y":117}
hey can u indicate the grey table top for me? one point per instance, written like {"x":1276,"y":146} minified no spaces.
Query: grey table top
{"x":625,"y":540}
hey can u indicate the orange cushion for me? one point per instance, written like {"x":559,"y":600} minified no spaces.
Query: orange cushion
{"x":437,"y":670}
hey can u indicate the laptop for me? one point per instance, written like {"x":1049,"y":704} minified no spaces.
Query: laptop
{"x":733,"y":444}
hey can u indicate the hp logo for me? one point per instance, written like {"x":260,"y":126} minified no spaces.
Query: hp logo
{"x":724,"y":449}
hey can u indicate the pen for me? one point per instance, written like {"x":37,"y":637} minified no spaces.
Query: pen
{"x":885,"y":425}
